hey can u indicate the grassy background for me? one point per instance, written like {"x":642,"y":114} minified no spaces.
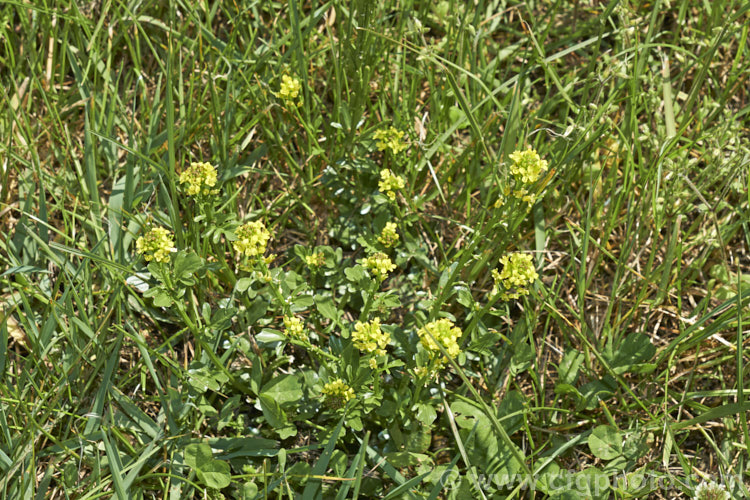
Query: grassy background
{"x":641,"y":109}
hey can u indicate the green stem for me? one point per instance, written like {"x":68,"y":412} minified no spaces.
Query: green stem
{"x":368,"y":303}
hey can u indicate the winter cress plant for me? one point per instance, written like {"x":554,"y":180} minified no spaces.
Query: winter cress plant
{"x":363,"y":347}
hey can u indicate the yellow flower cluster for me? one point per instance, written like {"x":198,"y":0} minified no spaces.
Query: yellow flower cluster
{"x":337,"y":393}
{"x":527,"y":166}
{"x":517,"y":274}
{"x":445,"y":332}
{"x":156,"y":245}
{"x":523,"y":194}
{"x":392,"y":139}
{"x":252,"y":239}
{"x":388,"y":236}
{"x":200,"y":178}
{"x":315,"y":260}
{"x":368,"y":337}
{"x":290,"y":90}
{"x":390,"y":183}
{"x":380,"y":264}
{"x":294,"y":328}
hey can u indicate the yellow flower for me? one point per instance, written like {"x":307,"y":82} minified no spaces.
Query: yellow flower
{"x":527,"y":165}
{"x":388,"y":236}
{"x":294,"y":328}
{"x":390,"y":183}
{"x":315,"y":260}
{"x":368,"y":337}
{"x":290,"y":90}
{"x":380,"y":264}
{"x":445,"y":332}
{"x":199,"y":177}
{"x":517,"y":274}
{"x":156,"y":245}
{"x":270,"y":259}
{"x":392,"y":139}
{"x":337,"y":393}
{"x":252,"y":239}
{"x":524,"y":195}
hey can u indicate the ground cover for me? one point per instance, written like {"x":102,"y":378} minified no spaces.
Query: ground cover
{"x":409,"y":249}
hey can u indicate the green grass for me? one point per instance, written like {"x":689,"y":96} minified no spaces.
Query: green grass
{"x":626,"y":359}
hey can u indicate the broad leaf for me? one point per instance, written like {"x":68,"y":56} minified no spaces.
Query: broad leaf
{"x":605,"y":442}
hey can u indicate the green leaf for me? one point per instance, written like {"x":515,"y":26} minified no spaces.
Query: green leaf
{"x":301,"y":303}
{"x":509,"y":410}
{"x":445,"y":276}
{"x":314,"y":485}
{"x":204,"y":377}
{"x":402,"y":459}
{"x":275,"y":416}
{"x":504,"y":463}
{"x":283,"y":389}
{"x":593,"y":483}
{"x":161,"y":298}
{"x":418,"y":440}
{"x":484,"y":343}
{"x":196,"y":454}
{"x":269,"y":336}
{"x":115,"y":466}
{"x":597,"y":390}
{"x":211,"y":472}
{"x":635,"y":484}
{"x":389,"y":301}
{"x":425,"y":413}
{"x":215,"y":474}
{"x":256,"y":311}
{"x":636,"y":445}
{"x":523,"y":355}
{"x":569,"y":366}
{"x":471,"y":418}
{"x":185,"y":265}
{"x":326,"y":307}
{"x":635,"y":350}
{"x":567,"y":389}
{"x":458,"y":117}
{"x":243,"y":284}
{"x":233,"y":447}
{"x":354,"y":422}
{"x":355,"y":273}
{"x":548,"y":479}
{"x":464,"y":296}
{"x":605,"y":442}
{"x":272,"y":411}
